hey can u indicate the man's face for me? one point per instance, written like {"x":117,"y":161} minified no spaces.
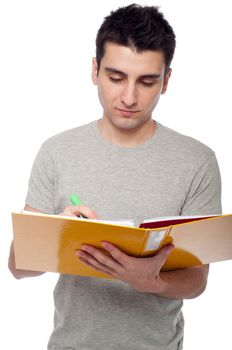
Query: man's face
{"x":129,"y":85}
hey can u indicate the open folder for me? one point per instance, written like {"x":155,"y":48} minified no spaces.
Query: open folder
{"x":48,"y":242}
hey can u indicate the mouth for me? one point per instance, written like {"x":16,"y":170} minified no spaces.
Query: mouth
{"x":126,"y":112}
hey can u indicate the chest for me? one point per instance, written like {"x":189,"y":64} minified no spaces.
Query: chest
{"x":122,"y":187}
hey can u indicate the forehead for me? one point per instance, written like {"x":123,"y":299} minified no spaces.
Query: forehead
{"x":132,"y":62}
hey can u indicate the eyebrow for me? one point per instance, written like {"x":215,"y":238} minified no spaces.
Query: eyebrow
{"x":144,"y":76}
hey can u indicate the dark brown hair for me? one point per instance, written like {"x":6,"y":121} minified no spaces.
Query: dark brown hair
{"x":141,"y":28}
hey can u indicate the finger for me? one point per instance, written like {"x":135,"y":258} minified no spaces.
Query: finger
{"x":76,"y":210}
{"x":89,"y":260}
{"x":116,"y":253}
{"x":101,"y":257}
{"x":164,"y":252}
{"x":97,"y":268}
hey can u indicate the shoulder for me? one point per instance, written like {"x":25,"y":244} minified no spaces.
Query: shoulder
{"x":69,"y":139}
{"x":184,"y":148}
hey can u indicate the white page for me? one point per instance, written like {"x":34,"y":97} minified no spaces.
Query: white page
{"x":114,"y":222}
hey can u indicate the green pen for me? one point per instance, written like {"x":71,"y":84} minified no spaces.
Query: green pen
{"x":75,"y":200}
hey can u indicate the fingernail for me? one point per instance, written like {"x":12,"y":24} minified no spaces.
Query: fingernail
{"x":106,"y":245}
{"x":87,"y":248}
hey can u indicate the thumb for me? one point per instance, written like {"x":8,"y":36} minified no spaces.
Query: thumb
{"x":164,"y":252}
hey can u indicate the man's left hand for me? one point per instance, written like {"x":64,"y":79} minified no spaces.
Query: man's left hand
{"x":142,"y":274}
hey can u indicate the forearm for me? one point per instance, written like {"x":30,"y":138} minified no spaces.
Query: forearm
{"x":143,"y":274}
{"x":181,"y":284}
{"x":17,"y":273}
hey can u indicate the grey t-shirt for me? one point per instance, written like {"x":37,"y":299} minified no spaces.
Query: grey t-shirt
{"x":170,"y":174}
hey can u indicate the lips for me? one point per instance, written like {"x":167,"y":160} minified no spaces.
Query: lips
{"x":126,"y":111}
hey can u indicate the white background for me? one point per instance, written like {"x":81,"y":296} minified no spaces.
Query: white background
{"x":45,"y":85}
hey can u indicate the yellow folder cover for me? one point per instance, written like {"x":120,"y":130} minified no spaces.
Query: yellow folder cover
{"x":48,"y":242}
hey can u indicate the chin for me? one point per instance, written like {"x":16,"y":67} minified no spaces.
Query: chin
{"x":126,"y":124}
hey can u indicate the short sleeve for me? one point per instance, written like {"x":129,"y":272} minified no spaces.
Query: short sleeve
{"x":40,"y":193}
{"x":204,"y":195}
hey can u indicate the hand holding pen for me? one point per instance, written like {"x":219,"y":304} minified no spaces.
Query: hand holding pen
{"x":79,"y":209}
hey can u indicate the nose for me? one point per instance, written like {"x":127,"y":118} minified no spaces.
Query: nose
{"x":129,"y":95}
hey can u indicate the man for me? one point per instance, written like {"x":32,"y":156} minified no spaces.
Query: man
{"x":125,"y":165}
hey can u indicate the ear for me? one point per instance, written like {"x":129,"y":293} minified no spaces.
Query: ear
{"x":94,"y":71}
{"x":166,"y":80}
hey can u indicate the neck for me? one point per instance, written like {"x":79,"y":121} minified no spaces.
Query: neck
{"x":127,"y":137}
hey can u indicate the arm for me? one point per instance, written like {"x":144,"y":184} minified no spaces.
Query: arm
{"x":186,"y":283}
{"x":204,"y":197}
{"x":144,"y":274}
{"x":17,"y":273}
{"x":40,"y":194}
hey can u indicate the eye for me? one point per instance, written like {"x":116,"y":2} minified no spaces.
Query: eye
{"x":115,"y":80}
{"x":147,"y":84}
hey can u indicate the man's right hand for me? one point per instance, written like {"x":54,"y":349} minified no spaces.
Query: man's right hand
{"x":79,"y":210}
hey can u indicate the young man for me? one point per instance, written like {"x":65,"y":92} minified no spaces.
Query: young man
{"x":125,"y":165}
